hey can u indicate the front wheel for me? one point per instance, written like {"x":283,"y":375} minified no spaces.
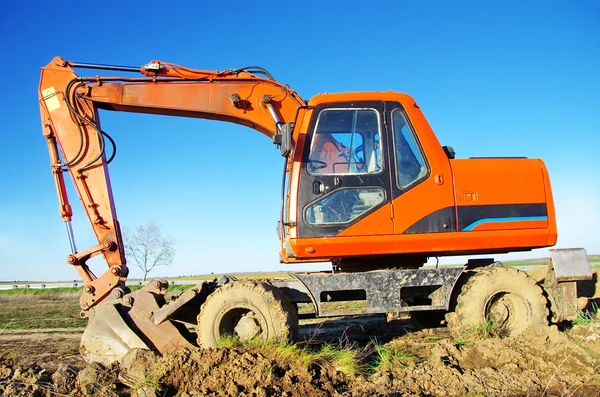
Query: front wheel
{"x":505,"y":296}
{"x":246,"y":310}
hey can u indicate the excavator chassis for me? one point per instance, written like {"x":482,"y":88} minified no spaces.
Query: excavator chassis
{"x":145,"y":319}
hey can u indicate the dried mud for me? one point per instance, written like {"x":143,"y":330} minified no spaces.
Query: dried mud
{"x":543,"y":361}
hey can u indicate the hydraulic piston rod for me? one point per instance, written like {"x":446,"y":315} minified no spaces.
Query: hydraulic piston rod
{"x":104,"y":67}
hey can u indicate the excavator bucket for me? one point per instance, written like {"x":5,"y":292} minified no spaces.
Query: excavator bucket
{"x":140,"y":319}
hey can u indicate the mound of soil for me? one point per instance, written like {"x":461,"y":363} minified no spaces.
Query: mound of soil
{"x":543,"y":361}
{"x":233,"y":372}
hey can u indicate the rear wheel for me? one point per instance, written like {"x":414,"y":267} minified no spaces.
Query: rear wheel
{"x":246,"y":310}
{"x":504,"y":296}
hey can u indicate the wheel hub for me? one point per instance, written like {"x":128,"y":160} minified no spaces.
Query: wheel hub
{"x":499,"y":311}
{"x":247,"y":328}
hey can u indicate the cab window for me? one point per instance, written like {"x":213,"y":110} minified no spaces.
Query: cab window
{"x":343,"y":205}
{"x":410,"y":162}
{"x":345,"y":142}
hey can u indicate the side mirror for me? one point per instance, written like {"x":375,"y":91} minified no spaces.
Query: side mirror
{"x":283,"y":140}
{"x":449,"y":152}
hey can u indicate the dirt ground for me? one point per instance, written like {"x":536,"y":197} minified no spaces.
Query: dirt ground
{"x":542,"y":362}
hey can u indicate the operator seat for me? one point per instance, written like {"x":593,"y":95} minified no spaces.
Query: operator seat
{"x":325,"y":149}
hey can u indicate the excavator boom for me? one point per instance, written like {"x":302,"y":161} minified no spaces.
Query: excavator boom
{"x":78,"y":146}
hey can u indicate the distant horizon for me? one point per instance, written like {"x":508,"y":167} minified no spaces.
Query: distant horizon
{"x":150,"y":277}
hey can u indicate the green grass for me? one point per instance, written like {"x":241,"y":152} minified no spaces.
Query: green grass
{"x":490,"y":329}
{"x":29,"y":308}
{"x":344,"y":306}
{"x":386,"y":358}
{"x":239,"y":276}
{"x":39,"y":291}
{"x":40,"y":311}
{"x":343,"y":359}
{"x":587,"y":317}
{"x":149,"y":382}
{"x":347,"y":359}
{"x":461,"y":342}
{"x":527,"y":262}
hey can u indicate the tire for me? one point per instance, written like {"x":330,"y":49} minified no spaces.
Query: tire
{"x":246,"y":310}
{"x":508,"y":297}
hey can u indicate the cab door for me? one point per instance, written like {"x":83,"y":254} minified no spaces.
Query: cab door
{"x":345,"y":173}
{"x":422,"y":187}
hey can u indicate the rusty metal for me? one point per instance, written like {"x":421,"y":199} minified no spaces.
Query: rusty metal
{"x":168,"y":310}
{"x":137,"y":320}
{"x":164,"y":337}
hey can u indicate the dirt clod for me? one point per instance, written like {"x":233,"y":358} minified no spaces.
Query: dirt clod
{"x":134,"y":370}
{"x":64,"y":378}
{"x":95,"y":380}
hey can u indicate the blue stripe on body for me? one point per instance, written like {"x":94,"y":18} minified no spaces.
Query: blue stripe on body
{"x":515,"y":219}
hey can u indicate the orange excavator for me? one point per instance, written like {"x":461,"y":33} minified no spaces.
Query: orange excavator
{"x":366,"y":186}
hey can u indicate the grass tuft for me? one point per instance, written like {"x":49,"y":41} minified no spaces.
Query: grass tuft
{"x":461,"y":342}
{"x":386,"y":358}
{"x":228,"y":342}
{"x":587,"y":317}
{"x":148,"y":382}
{"x":490,"y":329}
{"x":343,"y":359}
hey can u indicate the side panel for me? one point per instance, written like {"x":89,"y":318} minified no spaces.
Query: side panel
{"x":500,"y":194}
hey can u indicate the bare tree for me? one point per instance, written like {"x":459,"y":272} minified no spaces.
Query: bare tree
{"x":148,"y":247}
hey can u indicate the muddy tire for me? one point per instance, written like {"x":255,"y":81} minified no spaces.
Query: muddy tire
{"x":246,"y":310}
{"x":508,"y":297}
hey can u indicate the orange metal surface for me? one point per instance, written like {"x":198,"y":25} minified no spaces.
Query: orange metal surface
{"x":498,"y":181}
{"x":429,"y":244}
{"x":553,"y":231}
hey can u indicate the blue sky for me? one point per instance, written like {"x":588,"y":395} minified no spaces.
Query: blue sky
{"x":493,"y":78}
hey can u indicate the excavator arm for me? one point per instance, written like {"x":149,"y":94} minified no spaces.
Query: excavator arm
{"x":77,"y":145}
